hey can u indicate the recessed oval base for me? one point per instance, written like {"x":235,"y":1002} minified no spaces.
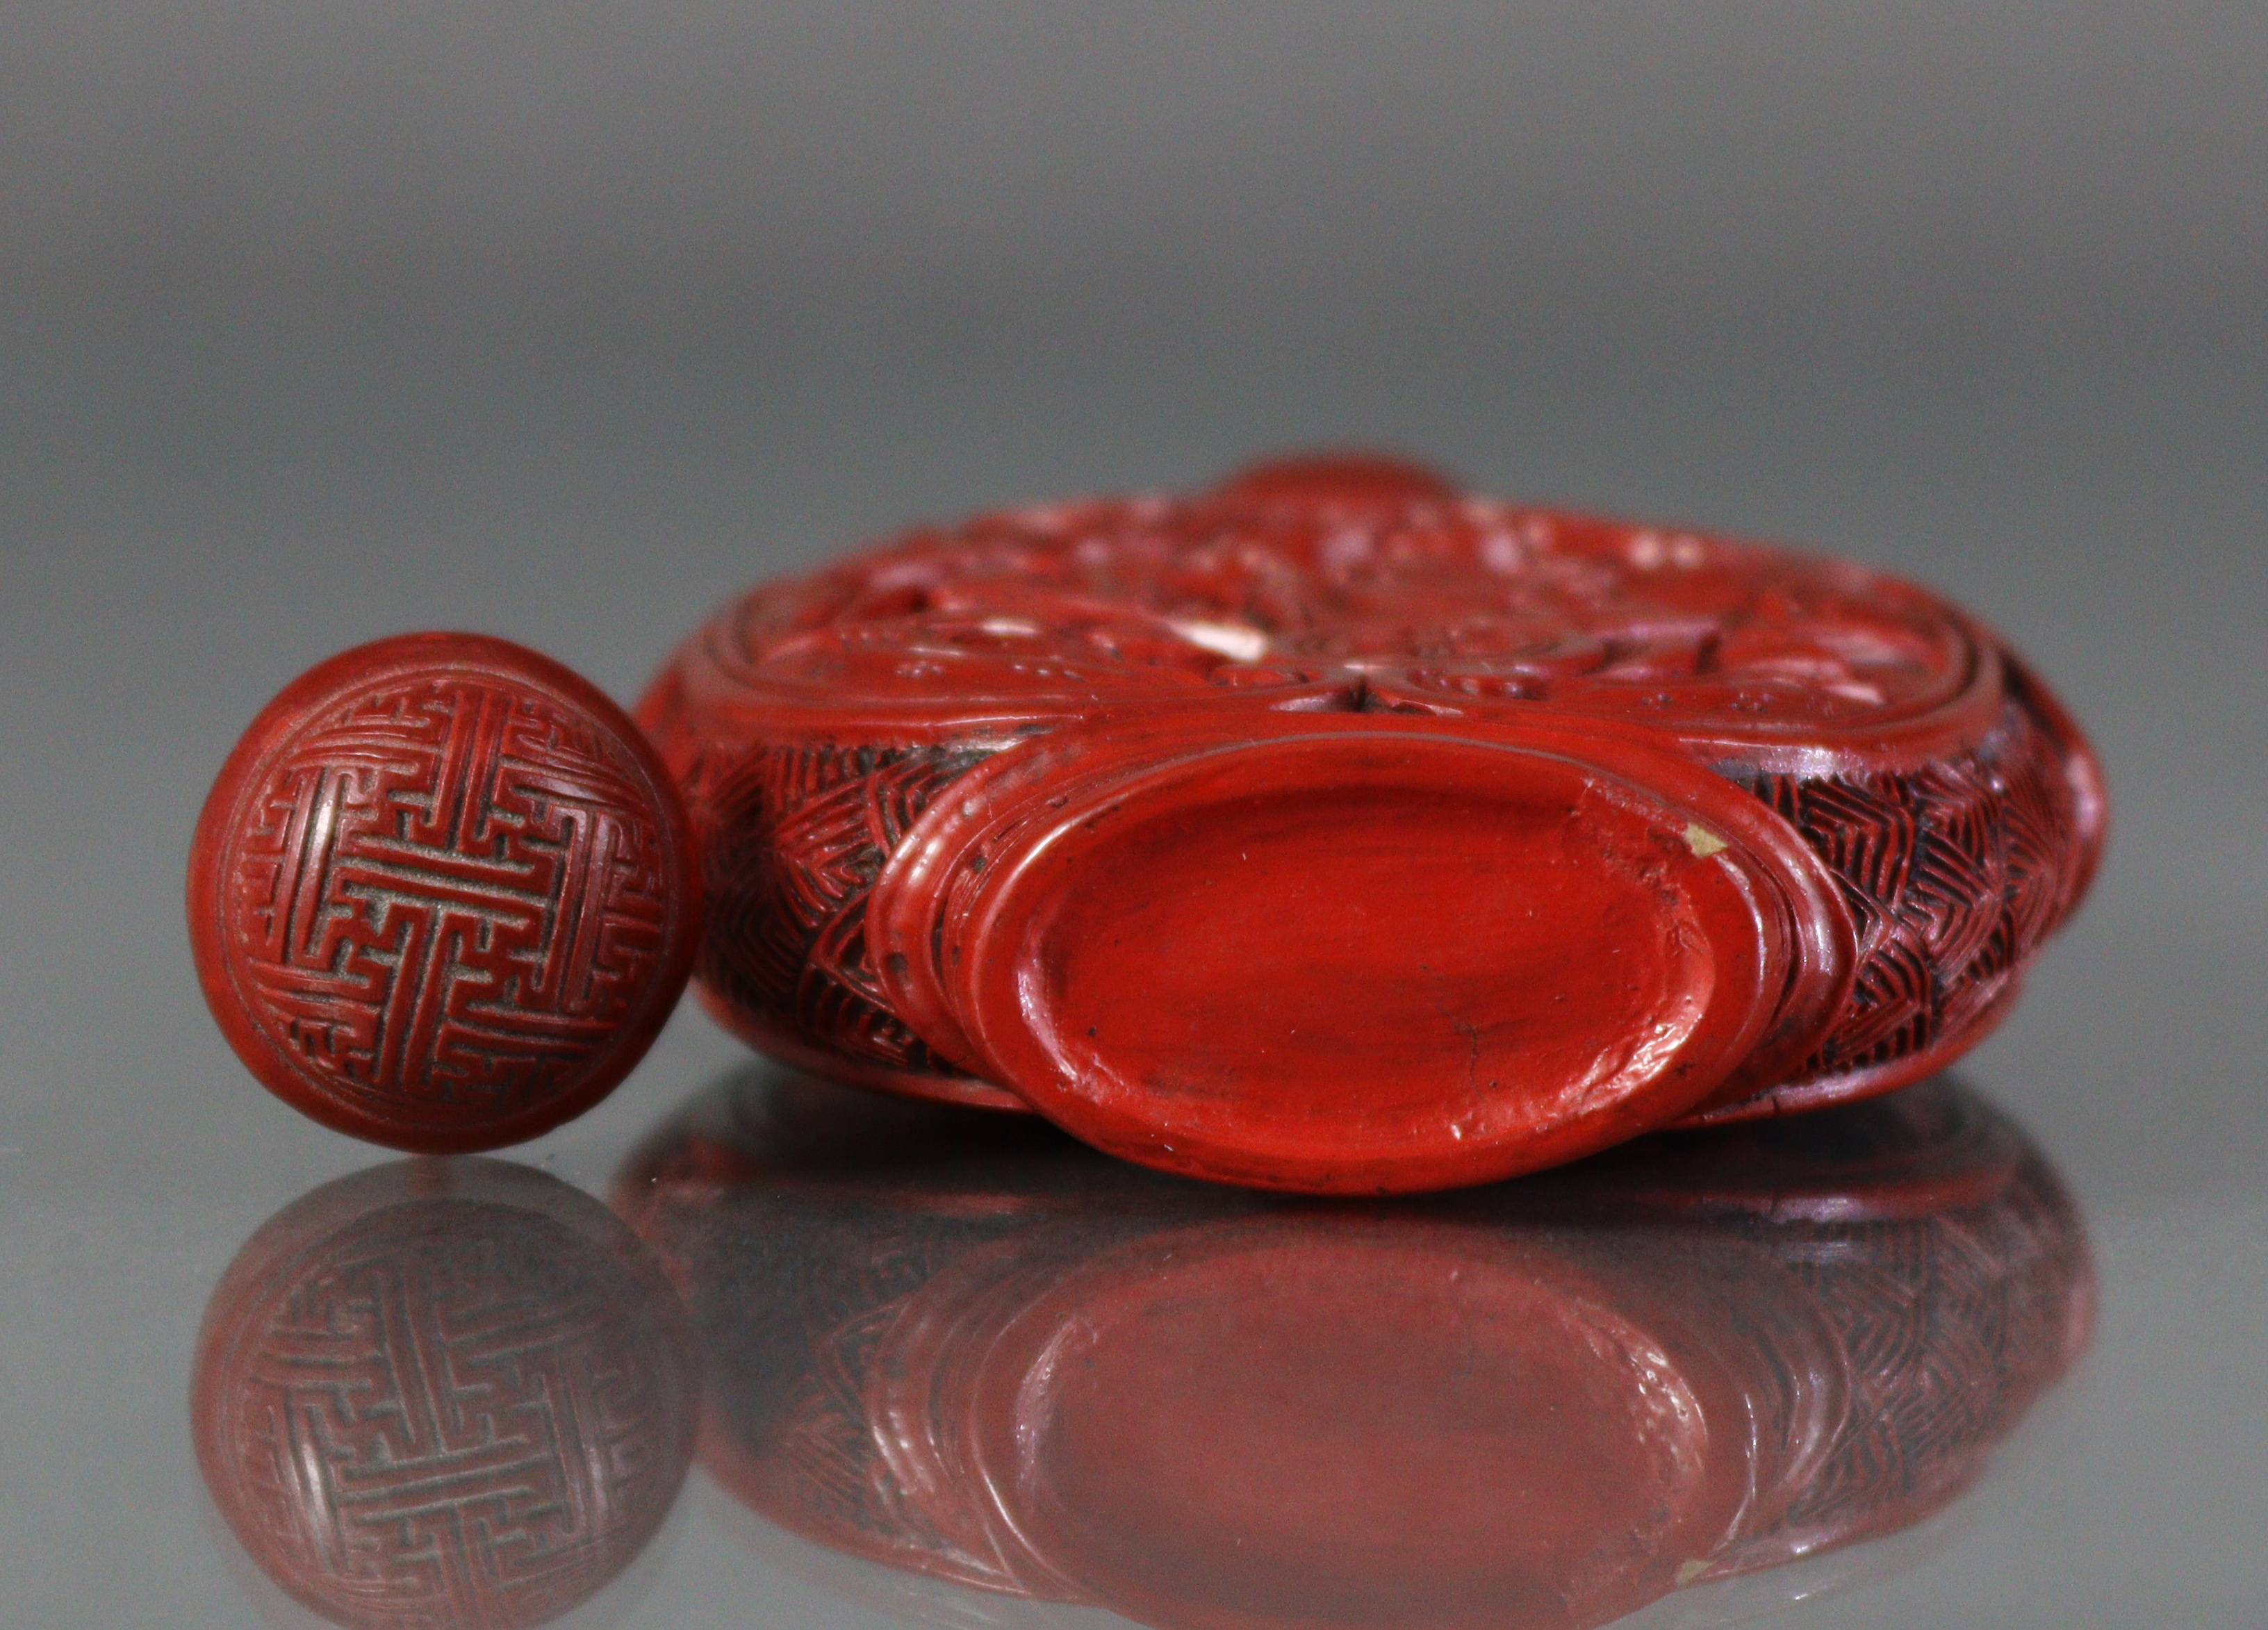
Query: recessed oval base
{"x":1353,"y":960}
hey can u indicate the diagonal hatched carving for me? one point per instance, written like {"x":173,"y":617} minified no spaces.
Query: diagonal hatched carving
{"x":798,"y":837}
{"x":1955,"y":873}
{"x":450,"y":885}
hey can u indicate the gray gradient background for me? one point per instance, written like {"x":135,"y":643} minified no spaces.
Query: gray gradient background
{"x":319,"y":322}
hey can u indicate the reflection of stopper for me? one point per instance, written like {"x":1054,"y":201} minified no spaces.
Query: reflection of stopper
{"x":1359,"y":953}
{"x":432,"y":1394}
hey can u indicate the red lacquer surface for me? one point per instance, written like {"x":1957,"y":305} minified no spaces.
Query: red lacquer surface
{"x":443,"y":895}
{"x":451,"y":1394}
{"x":1339,"y":832}
{"x":979,"y":1354}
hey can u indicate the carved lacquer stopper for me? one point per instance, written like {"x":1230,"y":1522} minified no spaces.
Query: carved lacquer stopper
{"x":442,"y":894}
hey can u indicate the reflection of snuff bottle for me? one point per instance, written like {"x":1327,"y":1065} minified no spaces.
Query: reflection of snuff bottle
{"x":1007,"y":1365}
{"x":443,"y":1394}
{"x":1333,"y":830}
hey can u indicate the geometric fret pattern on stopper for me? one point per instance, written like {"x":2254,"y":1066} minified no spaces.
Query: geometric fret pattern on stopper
{"x":442,"y":895}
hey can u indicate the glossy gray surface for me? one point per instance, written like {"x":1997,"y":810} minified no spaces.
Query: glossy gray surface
{"x":324,"y":322}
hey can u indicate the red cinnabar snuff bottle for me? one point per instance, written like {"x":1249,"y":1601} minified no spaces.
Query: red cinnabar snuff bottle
{"x":442,"y":894}
{"x":1336,"y":830}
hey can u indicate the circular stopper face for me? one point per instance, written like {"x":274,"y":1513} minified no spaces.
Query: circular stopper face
{"x":1359,"y":964}
{"x":443,"y":895}
{"x":1413,"y":1433}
